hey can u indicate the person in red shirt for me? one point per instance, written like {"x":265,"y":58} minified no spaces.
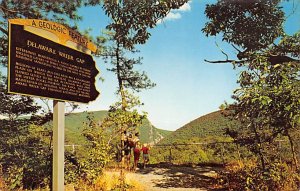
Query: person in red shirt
{"x":145,"y":151}
{"x":136,"y":152}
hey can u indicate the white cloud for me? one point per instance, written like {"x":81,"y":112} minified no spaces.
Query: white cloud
{"x":170,"y":16}
{"x":175,"y":14}
{"x":185,"y":7}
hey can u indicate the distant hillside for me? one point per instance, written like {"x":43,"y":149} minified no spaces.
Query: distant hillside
{"x":209,"y":127}
{"x":74,"y":126}
{"x":151,"y":134}
{"x":206,"y":129}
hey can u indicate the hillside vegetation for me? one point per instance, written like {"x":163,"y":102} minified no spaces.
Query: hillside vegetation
{"x":74,"y":126}
{"x":202,"y":140}
{"x":207,"y":128}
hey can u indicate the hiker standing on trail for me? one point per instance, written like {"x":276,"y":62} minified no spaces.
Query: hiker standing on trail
{"x":136,"y":139}
{"x":136,"y":152}
{"x":131,"y":142}
{"x":127,"y":149}
{"x":145,"y":150}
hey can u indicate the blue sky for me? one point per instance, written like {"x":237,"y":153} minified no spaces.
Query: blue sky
{"x":173,"y":57}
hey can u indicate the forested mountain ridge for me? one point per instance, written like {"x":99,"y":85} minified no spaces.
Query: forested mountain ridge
{"x":199,"y":141}
{"x":207,"y":128}
{"x":74,"y":123}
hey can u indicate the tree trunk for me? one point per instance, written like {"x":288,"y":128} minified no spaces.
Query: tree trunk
{"x":292,"y":149}
{"x":120,"y":80}
{"x":259,"y":148}
{"x":123,"y":98}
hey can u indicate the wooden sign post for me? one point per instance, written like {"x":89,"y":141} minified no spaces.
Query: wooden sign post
{"x":49,"y":60}
{"x":58,"y":149}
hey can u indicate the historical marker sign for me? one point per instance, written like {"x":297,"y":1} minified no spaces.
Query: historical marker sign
{"x":47,"y":59}
{"x":41,"y":67}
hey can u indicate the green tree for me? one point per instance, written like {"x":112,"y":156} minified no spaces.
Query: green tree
{"x":249,"y":27}
{"x":130,"y":22}
{"x":98,"y":151}
{"x":25,"y":147}
{"x":267,"y":102}
{"x":58,"y":11}
{"x":119,"y":120}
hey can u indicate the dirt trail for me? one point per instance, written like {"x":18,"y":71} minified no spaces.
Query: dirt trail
{"x":176,"y":178}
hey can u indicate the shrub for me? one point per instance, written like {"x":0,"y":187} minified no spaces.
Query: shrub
{"x":2,"y":182}
{"x":248,"y":176}
{"x":27,"y":156}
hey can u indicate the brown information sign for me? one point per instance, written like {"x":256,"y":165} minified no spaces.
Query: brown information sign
{"x":41,"y":67}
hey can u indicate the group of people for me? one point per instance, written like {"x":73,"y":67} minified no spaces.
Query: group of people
{"x":132,"y":144}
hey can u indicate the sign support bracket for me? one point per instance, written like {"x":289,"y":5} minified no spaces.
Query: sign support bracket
{"x":58,"y":145}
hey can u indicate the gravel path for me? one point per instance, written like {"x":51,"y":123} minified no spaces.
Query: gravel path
{"x":176,"y":178}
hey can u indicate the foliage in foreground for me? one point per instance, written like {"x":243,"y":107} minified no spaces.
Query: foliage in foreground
{"x":267,"y":103}
{"x":89,"y":167}
{"x":107,"y":181}
{"x":26,"y":155}
{"x":247,"y":175}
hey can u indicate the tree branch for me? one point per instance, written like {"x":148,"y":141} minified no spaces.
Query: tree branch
{"x":236,"y":48}
{"x":221,"y":50}
{"x":45,"y":101}
{"x":3,"y":31}
{"x":8,"y":10}
{"x":272,"y":59}
{"x":278,"y":59}
{"x":295,"y":7}
{"x":224,"y":61}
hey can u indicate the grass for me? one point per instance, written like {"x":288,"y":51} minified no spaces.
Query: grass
{"x":110,"y":180}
